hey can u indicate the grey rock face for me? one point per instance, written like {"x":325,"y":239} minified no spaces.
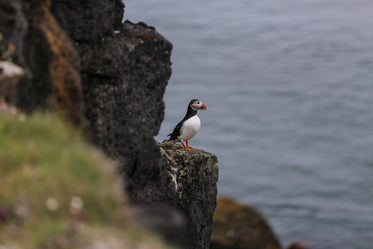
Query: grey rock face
{"x":124,"y":79}
{"x":125,"y":69}
{"x":88,"y":20}
{"x":193,"y":174}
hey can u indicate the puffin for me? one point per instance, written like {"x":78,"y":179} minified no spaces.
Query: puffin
{"x":189,"y":126}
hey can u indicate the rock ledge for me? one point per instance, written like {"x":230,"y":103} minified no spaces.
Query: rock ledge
{"x":193,"y":176}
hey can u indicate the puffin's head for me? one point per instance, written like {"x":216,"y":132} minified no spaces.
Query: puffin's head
{"x":196,"y":104}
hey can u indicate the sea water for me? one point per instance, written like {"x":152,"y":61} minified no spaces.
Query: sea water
{"x":288,"y":87}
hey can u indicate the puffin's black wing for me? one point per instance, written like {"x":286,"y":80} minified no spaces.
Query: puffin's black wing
{"x":176,"y":131}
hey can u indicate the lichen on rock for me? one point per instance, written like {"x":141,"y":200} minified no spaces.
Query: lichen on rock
{"x":193,"y":177}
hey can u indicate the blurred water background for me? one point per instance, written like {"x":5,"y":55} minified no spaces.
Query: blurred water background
{"x":289,"y":92}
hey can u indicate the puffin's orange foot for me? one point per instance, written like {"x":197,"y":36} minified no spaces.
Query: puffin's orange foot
{"x":187,"y":146}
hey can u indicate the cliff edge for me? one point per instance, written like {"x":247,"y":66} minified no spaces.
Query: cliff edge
{"x":193,"y":175}
{"x":108,"y":76}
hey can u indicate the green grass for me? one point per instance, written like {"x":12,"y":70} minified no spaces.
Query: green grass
{"x":43,"y":158}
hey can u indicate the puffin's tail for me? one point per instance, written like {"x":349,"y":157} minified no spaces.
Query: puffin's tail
{"x":171,"y":137}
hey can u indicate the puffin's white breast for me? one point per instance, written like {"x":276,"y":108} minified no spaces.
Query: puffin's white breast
{"x":189,"y":128}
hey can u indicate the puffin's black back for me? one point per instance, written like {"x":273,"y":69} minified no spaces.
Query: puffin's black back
{"x":176,"y":131}
{"x":190,"y":113}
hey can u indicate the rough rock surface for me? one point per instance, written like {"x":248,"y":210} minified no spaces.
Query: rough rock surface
{"x":124,"y":76}
{"x":50,"y":61}
{"x":89,"y":20}
{"x":238,"y":226}
{"x":193,"y":175}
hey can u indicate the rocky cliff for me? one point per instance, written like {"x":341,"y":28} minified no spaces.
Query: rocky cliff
{"x":80,"y":59}
{"x":125,"y":69}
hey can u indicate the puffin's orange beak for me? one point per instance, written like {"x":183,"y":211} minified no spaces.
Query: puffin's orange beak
{"x":203,"y":106}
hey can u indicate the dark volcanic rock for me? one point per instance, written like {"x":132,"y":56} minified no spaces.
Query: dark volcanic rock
{"x":193,"y":175}
{"x":238,"y":226}
{"x":88,"y":20}
{"x":124,"y":104}
{"x":124,"y":77}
